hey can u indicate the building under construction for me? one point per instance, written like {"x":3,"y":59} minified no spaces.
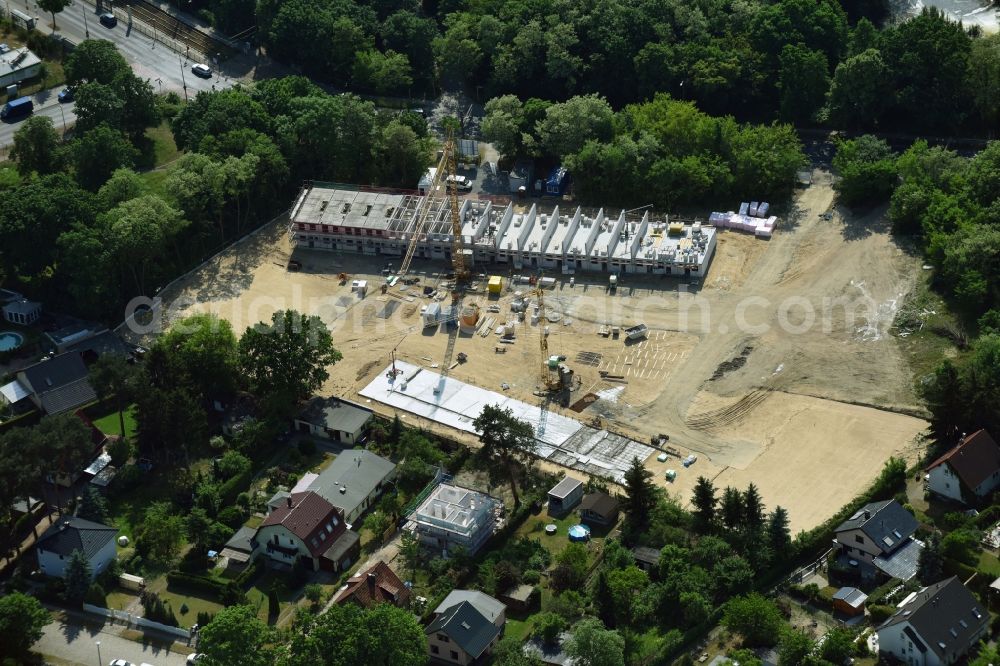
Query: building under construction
{"x":524,"y":236}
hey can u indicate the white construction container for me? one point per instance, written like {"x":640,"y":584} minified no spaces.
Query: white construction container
{"x":432,"y":314}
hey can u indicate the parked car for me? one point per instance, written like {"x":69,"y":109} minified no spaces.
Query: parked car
{"x":66,"y":95}
{"x":120,"y":662}
{"x":462,"y":183}
{"x":108,"y":20}
{"x":17,"y":108}
{"x":194,"y":659}
{"x":204,"y":71}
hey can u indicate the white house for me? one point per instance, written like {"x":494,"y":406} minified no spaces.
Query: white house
{"x":334,"y":419}
{"x":935,"y":626}
{"x":57,"y":544}
{"x":308,"y":528}
{"x":353,"y":481}
{"x":968,"y":472}
{"x":22,"y":311}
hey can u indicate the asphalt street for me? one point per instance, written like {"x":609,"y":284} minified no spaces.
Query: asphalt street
{"x":72,"y":643}
{"x":166,"y":70}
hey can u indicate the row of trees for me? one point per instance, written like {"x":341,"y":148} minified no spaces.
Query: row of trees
{"x":664,"y":151}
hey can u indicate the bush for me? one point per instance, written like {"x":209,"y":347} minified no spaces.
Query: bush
{"x":234,"y":486}
{"x":228,"y":593}
{"x":307,"y":447}
{"x":231,"y":516}
{"x":988,"y":516}
{"x":548,"y":626}
{"x":531,"y":577}
{"x":95,"y":595}
{"x":313,"y":592}
{"x":231,"y":464}
{"x":880,"y":613}
{"x":204,"y":617}
{"x":254,"y":569}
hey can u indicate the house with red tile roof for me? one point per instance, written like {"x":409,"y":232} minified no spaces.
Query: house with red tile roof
{"x":969,"y":472}
{"x":377,"y":584}
{"x":307,"y":528}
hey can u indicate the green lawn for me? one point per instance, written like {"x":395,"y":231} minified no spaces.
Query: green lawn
{"x":180,"y":597}
{"x":534,"y":528}
{"x":158,"y":146}
{"x":155,"y":181}
{"x":989,"y":564}
{"x":257,"y":595}
{"x":110,"y":425}
{"x":519,"y":629}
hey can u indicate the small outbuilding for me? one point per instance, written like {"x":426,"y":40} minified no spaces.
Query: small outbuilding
{"x":334,"y":419}
{"x":599,"y":509}
{"x":564,"y":496}
{"x":850,"y":601}
{"x":22,"y":311}
{"x":521,"y":598}
{"x":646,"y":558}
{"x":18,"y":65}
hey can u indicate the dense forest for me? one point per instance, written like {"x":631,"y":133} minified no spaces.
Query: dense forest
{"x":827,"y":62}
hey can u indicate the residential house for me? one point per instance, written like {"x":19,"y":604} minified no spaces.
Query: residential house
{"x":600,"y":509}
{"x":969,"y":472}
{"x":334,"y":419}
{"x":376,"y":585}
{"x":935,"y":626}
{"x":69,"y":534}
{"x":353,"y":481}
{"x":22,"y":311}
{"x":461,"y":635}
{"x":490,"y":608}
{"x":850,"y":601}
{"x":55,"y":386}
{"x":646,"y":558}
{"x":238,"y":549}
{"x":878,"y":541}
{"x":565,"y":495}
{"x":102,"y":343}
{"x":307,"y":528}
{"x":73,"y":333}
{"x":454,"y":516}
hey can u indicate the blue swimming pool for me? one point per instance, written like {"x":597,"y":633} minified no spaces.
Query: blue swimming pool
{"x":10,"y":340}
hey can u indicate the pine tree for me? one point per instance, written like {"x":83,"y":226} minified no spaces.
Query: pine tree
{"x":93,"y":506}
{"x":705,"y":503}
{"x":603,"y":602}
{"x":732,"y":508}
{"x":753,"y":512}
{"x":640,"y":498}
{"x":395,"y":432}
{"x":930,"y":566}
{"x":78,"y":577}
{"x":779,"y":537}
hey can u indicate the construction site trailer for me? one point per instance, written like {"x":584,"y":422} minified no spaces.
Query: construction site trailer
{"x":495,"y":284}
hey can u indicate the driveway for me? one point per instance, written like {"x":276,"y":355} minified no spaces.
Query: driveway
{"x":69,"y":641}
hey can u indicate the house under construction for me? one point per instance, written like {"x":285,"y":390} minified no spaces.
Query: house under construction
{"x":564,"y":240}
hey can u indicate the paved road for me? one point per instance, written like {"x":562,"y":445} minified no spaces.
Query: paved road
{"x":72,"y":643}
{"x":46,"y":104}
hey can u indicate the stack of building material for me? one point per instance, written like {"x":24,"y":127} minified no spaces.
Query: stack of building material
{"x":766,"y":227}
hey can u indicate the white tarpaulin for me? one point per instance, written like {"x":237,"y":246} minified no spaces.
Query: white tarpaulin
{"x":454,"y":403}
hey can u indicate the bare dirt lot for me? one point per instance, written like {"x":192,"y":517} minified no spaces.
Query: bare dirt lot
{"x":778,"y":369}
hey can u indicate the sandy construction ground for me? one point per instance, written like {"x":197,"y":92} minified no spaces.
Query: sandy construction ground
{"x":777,"y":369}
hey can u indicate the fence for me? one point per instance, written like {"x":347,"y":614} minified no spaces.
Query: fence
{"x":130,"y":620}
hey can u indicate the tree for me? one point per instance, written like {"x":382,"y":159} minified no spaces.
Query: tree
{"x":984,"y":78}
{"x":794,"y":647}
{"x":78,"y":577}
{"x":113,"y":380}
{"x":803,"y":82}
{"x":601,"y":596}
{"x":548,"y":626}
{"x":205,"y":347}
{"x":37,"y":147}
{"x":930,"y":564}
{"x":502,"y":125}
{"x":961,"y":545}
{"x":100,"y":152}
{"x":704,"y":503}
{"x":93,"y":506}
{"x":409,"y":550}
{"x":755,"y":618}
{"x":385,"y":73}
{"x":54,"y":7}
{"x":571,"y":568}
{"x":753,"y":513}
{"x":143,"y":230}
{"x":859,"y":92}
{"x":731,"y":510}
{"x":402,"y":156}
{"x":21,"y":621}
{"x":640,"y":498}
{"x":506,"y":448}
{"x":236,"y":636}
{"x":63,"y":445}
{"x":510,"y":652}
{"x":345,"y":635}
{"x":838,"y":646}
{"x":94,"y":60}
{"x":626,"y":585}
{"x":569,"y":125}
{"x":867,"y":170}
{"x":124,"y":184}
{"x":591,"y":644}
{"x":987,"y":655}
{"x":286,"y":362}
{"x":779,"y":536}
{"x":158,"y":537}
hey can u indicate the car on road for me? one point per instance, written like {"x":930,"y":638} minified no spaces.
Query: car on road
{"x":120,"y":662}
{"x":193,"y":659}
{"x":204,"y":71}
{"x":66,"y":95}
{"x":108,"y":20}
{"x":17,"y":108}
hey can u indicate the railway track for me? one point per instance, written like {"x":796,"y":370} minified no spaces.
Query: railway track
{"x":170,"y":26}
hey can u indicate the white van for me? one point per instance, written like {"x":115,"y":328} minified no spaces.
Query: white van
{"x":461,"y":182}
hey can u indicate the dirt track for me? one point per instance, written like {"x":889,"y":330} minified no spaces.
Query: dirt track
{"x":776,"y":414}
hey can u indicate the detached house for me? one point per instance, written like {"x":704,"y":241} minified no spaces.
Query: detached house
{"x":466,"y":628}
{"x":969,"y":472}
{"x":308,"y":528}
{"x":376,"y":585}
{"x":878,"y":541}
{"x":58,"y":385}
{"x":69,"y":534}
{"x":935,"y":626}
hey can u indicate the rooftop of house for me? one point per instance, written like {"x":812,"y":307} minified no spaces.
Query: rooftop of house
{"x":351,"y":478}
{"x":335,"y":414}
{"x":600,"y":503}
{"x":565,"y":487}
{"x":974,"y":459}
{"x":902,"y":562}
{"x":71,"y":533}
{"x":22,"y":306}
{"x":376,"y":584}
{"x":945,"y":616}
{"x":489,"y":607}
{"x":60,"y":383}
{"x":309,"y":517}
{"x":886,"y":523}
{"x":455,"y":508}
{"x":851,"y":596}
{"x":467,"y":627}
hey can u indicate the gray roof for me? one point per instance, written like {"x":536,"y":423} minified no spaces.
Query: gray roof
{"x":60,"y":384}
{"x":67,"y":398}
{"x":945,"y":616}
{"x":565,"y":487}
{"x":484,"y":603}
{"x":887,"y":524}
{"x":551,"y":654}
{"x":72,"y":533}
{"x":23,"y":306}
{"x":851,"y":595}
{"x":344,"y":543}
{"x":467,"y":627}
{"x":646,"y":554}
{"x":902,"y":562}
{"x":241,"y":540}
{"x":358,"y":472}
{"x":104,"y":342}
{"x":335,"y":414}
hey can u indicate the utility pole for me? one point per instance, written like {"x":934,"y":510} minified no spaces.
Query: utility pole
{"x":183,"y":80}
{"x":63,"y":114}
